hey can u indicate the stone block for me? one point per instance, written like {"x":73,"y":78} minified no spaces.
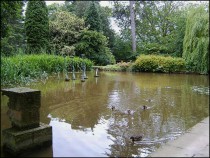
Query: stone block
{"x":22,"y":98}
{"x":24,"y":104}
{"x":16,"y":141}
{"x":25,"y":119}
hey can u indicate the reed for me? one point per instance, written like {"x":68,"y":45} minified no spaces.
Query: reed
{"x":24,"y":69}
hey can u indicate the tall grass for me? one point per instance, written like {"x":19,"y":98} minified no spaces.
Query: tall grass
{"x":22,"y":69}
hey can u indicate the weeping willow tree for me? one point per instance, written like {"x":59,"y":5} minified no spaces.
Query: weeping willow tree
{"x":196,"y":40}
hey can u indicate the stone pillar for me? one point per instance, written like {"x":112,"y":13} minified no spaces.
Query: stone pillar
{"x":27,"y":131}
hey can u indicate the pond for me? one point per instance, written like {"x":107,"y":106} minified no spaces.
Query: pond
{"x":84,"y":123}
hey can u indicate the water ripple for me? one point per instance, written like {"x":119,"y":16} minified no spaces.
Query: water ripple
{"x":201,"y":90}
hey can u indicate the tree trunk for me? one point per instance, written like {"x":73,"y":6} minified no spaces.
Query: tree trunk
{"x":133,"y":26}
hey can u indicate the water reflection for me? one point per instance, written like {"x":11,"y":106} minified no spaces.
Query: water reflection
{"x":84,"y":123}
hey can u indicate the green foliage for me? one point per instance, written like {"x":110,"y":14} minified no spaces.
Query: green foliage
{"x":37,"y":27}
{"x":94,"y":45}
{"x":10,"y":13}
{"x":121,"y":66}
{"x":92,"y":17}
{"x":12,"y":32}
{"x":153,"y":48}
{"x":155,"y":63}
{"x":22,"y":69}
{"x":65,"y":30}
{"x":78,"y":7}
{"x":105,"y":14}
{"x":68,"y":50}
{"x":196,"y":40}
{"x":159,"y":26}
{"x":53,"y":8}
{"x":122,"y":49}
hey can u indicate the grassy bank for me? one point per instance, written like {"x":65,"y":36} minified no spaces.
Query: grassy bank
{"x":21,"y":69}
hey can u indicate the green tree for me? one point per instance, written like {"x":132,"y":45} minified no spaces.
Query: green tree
{"x":12,"y":29}
{"x":92,"y":17}
{"x":122,"y":49}
{"x":53,"y":8}
{"x":105,"y":14}
{"x":196,"y":40}
{"x":94,"y":45}
{"x":65,"y":30}
{"x":155,"y":24}
{"x":37,"y":27}
{"x":79,"y":8}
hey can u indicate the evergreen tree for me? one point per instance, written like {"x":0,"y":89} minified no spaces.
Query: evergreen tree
{"x":92,"y":17}
{"x":12,"y":29}
{"x":37,"y":27}
{"x":196,"y":40}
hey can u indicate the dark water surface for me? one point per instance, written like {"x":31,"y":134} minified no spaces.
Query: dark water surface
{"x":84,"y":124}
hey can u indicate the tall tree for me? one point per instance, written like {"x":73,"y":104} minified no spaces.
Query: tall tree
{"x":196,"y":40}
{"x":12,"y":34}
{"x":94,"y":45}
{"x":133,"y":26}
{"x":105,"y":14}
{"x":65,"y":30}
{"x":79,"y":7}
{"x":92,"y":17}
{"x":154,"y":24}
{"x":37,"y":27}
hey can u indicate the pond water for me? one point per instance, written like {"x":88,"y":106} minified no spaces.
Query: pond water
{"x":84,"y":124}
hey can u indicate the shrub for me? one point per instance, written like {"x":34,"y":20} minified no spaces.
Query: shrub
{"x":155,"y":63}
{"x":121,"y":66}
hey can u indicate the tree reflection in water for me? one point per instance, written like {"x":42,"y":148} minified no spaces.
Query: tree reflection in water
{"x":84,"y":123}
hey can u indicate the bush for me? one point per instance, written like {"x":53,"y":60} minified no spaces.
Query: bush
{"x":26,"y":68}
{"x":155,"y":63}
{"x":121,"y":66}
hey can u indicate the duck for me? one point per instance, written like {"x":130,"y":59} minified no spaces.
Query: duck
{"x":136,"y":138}
{"x":144,"y":107}
{"x":113,"y":107}
{"x":130,"y":112}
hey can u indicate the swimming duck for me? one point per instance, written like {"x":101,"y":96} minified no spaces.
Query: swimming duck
{"x":113,"y":107}
{"x":144,"y":107}
{"x":136,"y":138}
{"x":130,"y":112}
